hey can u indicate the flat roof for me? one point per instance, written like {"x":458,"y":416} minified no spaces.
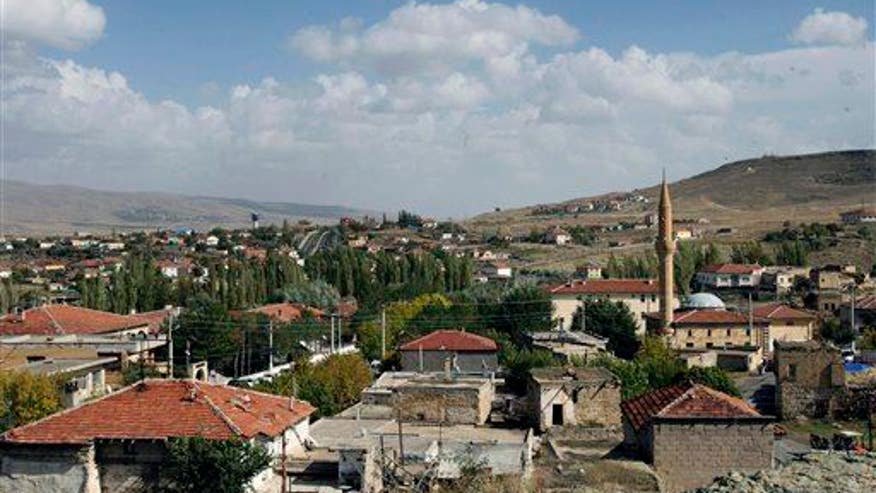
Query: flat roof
{"x":571,"y":374}
{"x":58,"y":366}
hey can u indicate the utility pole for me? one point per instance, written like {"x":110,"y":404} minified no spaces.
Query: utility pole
{"x":383,"y":334}
{"x":188,"y":354}
{"x":340,"y":341}
{"x":583,"y":315}
{"x":332,"y":340}
{"x":170,"y":346}
{"x":401,"y":442}
{"x":270,"y":345}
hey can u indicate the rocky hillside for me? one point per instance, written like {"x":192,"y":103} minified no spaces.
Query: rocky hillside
{"x":824,"y":473}
{"x":43,"y":209}
{"x":751,"y":195}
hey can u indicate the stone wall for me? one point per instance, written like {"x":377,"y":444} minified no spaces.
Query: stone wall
{"x":433,"y":361}
{"x":38,"y":469}
{"x":584,"y":403}
{"x":690,"y":455}
{"x":448,"y":404}
{"x":808,"y":375}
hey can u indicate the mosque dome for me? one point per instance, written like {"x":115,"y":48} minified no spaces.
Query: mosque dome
{"x":704,"y":301}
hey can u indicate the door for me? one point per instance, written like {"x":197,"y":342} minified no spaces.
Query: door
{"x":557,"y":415}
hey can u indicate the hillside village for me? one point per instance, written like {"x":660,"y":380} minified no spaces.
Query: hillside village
{"x":418,"y":355}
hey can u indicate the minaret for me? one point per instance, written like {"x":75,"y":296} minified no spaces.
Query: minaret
{"x":665,"y":251}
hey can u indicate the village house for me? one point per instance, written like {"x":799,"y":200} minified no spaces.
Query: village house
{"x":691,"y":433}
{"x":718,"y":276}
{"x":574,"y":397}
{"x":286,"y":312}
{"x":467,"y":352}
{"x":832,"y":277}
{"x":641,"y":296}
{"x":68,"y":319}
{"x":557,"y":236}
{"x":808,"y":377}
{"x":859,"y":216}
{"x":82,"y":379}
{"x":785,"y":323}
{"x":497,"y":269}
{"x":781,"y":279}
{"x":590,"y":270}
{"x":865,"y":312}
{"x":122,"y":438}
{"x":704,"y":322}
{"x":565,"y":345}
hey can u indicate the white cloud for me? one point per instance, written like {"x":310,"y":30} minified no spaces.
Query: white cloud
{"x":66,"y":24}
{"x":432,"y":38}
{"x":826,"y":28}
{"x":491,"y":127}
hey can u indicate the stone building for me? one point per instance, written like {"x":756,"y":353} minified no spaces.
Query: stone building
{"x":120,"y":440}
{"x":785,"y":324}
{"x":691,"y":433}
{"x":809,"y":375}
{"x":468,"y":353}
{"x":433,"y":398}
{"x":641,"y":296}
{"x":574,"y":396}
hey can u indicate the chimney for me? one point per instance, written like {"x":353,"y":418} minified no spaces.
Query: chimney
{"x":291,"y":403}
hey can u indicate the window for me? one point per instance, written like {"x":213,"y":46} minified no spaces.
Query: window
{"x":642,"y":298}
{"x":709,"y":333}
{"x":709,"y":345}
{"x":748,"y":332}
{"x":728,"y":332}
{"x":792,"y":372}
{"x":653,"y":297}
{"x":689,"y":333}
{"x":689,"y":344}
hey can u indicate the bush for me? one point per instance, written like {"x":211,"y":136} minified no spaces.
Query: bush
{"x":25,"y":398}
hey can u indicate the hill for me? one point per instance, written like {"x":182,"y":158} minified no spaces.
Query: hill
{"x":59,"y":209}
{"x":750,"y":196}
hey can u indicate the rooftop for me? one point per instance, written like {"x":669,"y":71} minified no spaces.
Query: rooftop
{"x":451,"y":340}
{"x":608,"y":286}
{"x":731,"y":268}
{"x":571,"y":374}
{"x":685,"y":401}
{"x":68,"y":319}
{"x":778,"y":311}
{"x":188,"y":409}
{"x":58,"y":366}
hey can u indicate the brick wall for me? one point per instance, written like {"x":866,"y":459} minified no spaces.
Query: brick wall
{"x":690,"y":455}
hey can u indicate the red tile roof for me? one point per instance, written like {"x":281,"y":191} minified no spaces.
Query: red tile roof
{"x":187,"y":409}
{"x":685,"y":401}
{"x":451,"y":340}
{"x":865,"y":303}
{"x":67,"y":319}
{"x":608,"y":286}
{"x":707,"y":317}
{"x":778,"y":311}
{"x":731,"y":268}
{"x":286,"y":312}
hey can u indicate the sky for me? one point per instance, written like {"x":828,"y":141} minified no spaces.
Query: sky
{"x":445,"y":108}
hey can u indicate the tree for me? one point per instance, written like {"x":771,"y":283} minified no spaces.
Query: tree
{"x":792,"y":253}
{"x":195,"y":465}
{"x":750,"y":252}
{"x":832,"y":330}
{"x":519,"y":363}
{"x":319,"y":294}
{"x":331,"y":385}
{"x":25,"y":397}
{"x":612,"y":320}
{"x":712,"y":377}
{"x":868,"y":339}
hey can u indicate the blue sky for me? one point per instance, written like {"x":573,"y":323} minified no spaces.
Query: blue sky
{"x":445,"y":108}
{"x":172,"y":49}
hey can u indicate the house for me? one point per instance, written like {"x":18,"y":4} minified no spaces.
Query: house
{"x":121,"y":438}
{"x":859,"y":216}
{"x":691,"y":433}
{"x":286,"y":312}
{"x":809,"y":376}
{"x":467,"y":352}
{"x":566,"y":345}
{"x":781,"y":279}
{"x":590,"y":270}
{"x":557,"y":236}
{"x":717,"y":276}
{"x":683,"y":234}
{"x":82,"y":379}
{"x":498,"y":270}
{"x":785,"y":323}
{"x":174,"y":268}
{"x":865,"y":312}
{"x":704,"y":322}
{"x":641,"y":296}
{"x":68,"y":319}
{"x":832,"y":277}
{"x":574,"y":397}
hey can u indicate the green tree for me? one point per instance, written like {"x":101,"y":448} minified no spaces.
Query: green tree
{"x":196,"y":465}
{"x":331,"y":385}
{"x":25,"y":397}
{"x":712,"y":377}
{"x":612,"y":320}
{"x":832,"y":330}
